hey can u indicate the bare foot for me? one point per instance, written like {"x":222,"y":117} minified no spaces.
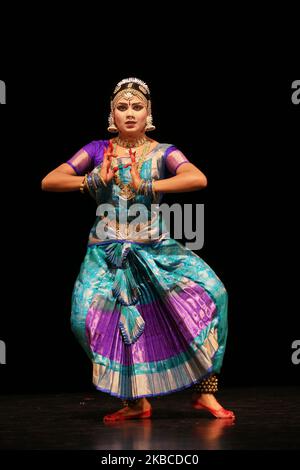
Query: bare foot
{"x":207,"y":401}
{"x":141,"y":409}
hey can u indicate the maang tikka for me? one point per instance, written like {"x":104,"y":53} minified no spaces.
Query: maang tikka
{"x":134,"y":87}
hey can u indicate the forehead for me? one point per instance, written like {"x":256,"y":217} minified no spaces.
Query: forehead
{"x":132,"y":100}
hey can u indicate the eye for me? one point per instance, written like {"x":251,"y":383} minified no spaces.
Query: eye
{"x":137,"y":107}
{"x":122,"y":107}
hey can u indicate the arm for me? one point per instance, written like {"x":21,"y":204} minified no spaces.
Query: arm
{"x":69,"y":176}
{"x":62,"y":179}
{"x":188,"y":178}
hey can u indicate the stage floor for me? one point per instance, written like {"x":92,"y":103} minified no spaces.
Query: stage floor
{"x":267,"y":418}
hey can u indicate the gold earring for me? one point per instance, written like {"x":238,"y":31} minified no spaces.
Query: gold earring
{"x":111,"y":124}
{"x":149,"y":124}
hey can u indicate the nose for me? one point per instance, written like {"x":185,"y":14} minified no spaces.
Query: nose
{"x":130,"y":112}
{"x":129,"y":116}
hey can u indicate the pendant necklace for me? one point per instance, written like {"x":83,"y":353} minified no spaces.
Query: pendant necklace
{"x":127,"y":189}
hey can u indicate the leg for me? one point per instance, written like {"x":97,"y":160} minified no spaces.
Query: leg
{"x":132,"y":409}
{"x":203,"y":398}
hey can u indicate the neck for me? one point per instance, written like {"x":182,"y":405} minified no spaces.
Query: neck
{"x":128,"y":141}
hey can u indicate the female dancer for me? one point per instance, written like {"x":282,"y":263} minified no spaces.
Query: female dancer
{"x":149,"y":312}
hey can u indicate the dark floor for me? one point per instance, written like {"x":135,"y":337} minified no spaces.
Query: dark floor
{"x":266,"y":418}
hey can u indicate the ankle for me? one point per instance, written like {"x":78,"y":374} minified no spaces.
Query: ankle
{"x":204,"y":397}
{"x":138,"y":403}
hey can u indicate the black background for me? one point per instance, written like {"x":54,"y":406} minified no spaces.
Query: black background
{"x":236,"y":122}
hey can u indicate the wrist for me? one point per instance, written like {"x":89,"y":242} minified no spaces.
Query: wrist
{"x":83,"y":184}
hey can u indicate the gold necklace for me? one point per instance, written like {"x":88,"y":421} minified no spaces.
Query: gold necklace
{"x":127,"y":189}
{"x":125,"y":143}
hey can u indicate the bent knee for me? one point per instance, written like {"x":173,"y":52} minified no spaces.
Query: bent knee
{"x":222,"y":293}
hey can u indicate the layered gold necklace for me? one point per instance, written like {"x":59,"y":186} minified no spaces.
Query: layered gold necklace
{"x":129,"y":143}
{"x":127,"y":189}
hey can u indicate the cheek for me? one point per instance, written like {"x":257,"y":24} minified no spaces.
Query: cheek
{"x":142,"y":116}
{"x":117,"y":117}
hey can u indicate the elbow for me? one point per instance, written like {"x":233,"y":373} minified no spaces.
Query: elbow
{"x":44,"y":184}
{"x":201,"y":181}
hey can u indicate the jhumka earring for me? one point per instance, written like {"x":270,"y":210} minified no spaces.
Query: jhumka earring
{"x":149,"y":124}
{"x":111,"y":124}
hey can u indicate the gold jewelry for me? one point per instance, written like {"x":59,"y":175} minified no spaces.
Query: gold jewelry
{"x":127,"y":190}
{"x":209,"y":385}
{"x":129,"y":402}
{"x":128,"y":94}
{"x":102,"y":180}
{"x":154,"y":192}
{"x":149,"y":120}
{"x":140,"y":184}
{"x":93,"y":181}
{"x":132,"y":82}
{"x":111,"y":124}
{"x":128,"y":88}
{"x":129,"y":144}
{"x":83,"y":184}
{"x":92,"y":184}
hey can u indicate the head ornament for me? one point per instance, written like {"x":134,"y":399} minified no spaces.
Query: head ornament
{"x":128,"y":88}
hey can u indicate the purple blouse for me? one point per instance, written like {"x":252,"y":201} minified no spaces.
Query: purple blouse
{"x":91,"y":155}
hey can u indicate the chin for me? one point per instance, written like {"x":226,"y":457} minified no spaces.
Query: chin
{"x":131,"y":132}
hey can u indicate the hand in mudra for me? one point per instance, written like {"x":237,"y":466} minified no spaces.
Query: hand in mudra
{"x":106,"y":172}
{"x":135,"y":176}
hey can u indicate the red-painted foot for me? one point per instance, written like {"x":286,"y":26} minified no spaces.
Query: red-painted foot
{"x":216,"y":412}
{"x":120,"y":416}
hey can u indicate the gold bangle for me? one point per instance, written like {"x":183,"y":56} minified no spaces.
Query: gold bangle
{"x":140,"y":184}
{"x":83,"y":185}
{"x":153,"y":190}
{"x":102,"y":180}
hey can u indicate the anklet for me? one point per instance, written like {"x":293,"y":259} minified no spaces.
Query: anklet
{"x":209,"y":385}
{"x":129,"y":401}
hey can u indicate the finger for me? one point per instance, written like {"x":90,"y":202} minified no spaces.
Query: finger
{"x":106,"y":156}
{"x":110,"y":147}
{"x":108,"y":153}
{"x":132,"y":155}
{"x":107,"y":160}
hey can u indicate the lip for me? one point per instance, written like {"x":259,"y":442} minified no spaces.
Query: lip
{"x":130,"y":122}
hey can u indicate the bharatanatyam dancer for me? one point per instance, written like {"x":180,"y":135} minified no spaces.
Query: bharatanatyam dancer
{"x":149,"y":313}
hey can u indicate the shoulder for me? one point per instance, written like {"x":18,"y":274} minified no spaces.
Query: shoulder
{"x":95,"y":147}
{"x":167,"y":149}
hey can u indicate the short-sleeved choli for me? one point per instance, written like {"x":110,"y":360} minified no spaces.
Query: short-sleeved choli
{"x":91,"y":155}
{"x":88,"y":157}
{"x":174,"y":158}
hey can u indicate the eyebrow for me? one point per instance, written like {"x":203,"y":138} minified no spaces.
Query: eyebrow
{"x":123,"y":103}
